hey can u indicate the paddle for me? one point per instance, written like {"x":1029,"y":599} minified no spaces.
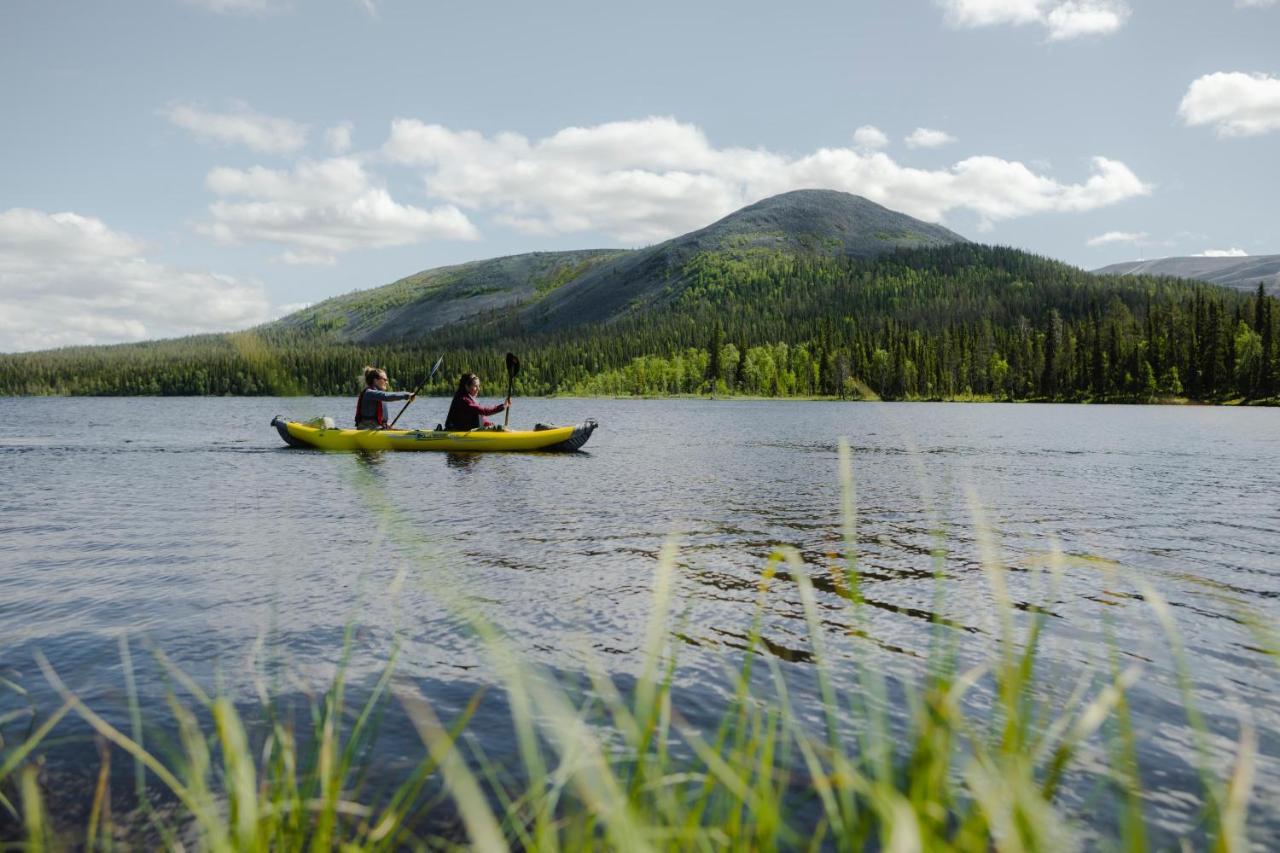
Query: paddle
{"x":434,"y":368}
{"x":513,"y":367}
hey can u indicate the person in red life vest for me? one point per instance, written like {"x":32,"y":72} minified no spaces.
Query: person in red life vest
{"x":465,"y":412}
{"x":370,"y":411}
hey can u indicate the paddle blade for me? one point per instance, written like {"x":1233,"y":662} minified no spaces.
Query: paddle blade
{"x":513,"y":364}
{"x":435,"y":367}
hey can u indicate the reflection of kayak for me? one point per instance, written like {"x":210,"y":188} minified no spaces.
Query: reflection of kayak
{"x":318,"y":435}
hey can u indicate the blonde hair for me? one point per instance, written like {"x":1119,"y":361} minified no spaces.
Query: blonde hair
{"x":372,"y":373}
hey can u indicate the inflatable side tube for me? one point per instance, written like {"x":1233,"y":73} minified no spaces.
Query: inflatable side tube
{"x":574,"y":442}
{"x":282,"y":427}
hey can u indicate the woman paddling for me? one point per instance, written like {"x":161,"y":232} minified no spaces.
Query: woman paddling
{"x":370,"y":411}
{"x":465,"y":412}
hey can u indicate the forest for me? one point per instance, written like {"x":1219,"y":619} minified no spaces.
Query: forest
{"x":950,"y":323}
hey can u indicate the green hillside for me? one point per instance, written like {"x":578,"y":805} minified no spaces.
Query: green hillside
{"x":414,"y":306}
{"x":802,"y":224}
{"x":811,"y":294}
{"x":556,"y":290}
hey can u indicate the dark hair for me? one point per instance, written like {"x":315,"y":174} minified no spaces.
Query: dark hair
{"x":465,"y":381}
{"x":370,"y":374}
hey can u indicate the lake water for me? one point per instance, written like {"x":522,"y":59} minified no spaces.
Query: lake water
{"x":186,"y":525}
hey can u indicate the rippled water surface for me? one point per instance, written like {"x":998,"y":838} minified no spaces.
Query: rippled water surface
{"x":187,"y":525}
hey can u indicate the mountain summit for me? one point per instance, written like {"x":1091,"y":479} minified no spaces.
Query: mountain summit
{"x":803,"y":222}
{"x":549,"y":290}
{"x":823,"y":221}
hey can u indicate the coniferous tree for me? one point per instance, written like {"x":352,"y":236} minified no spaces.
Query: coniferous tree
{"x":1265,"y":326}
{"x":1052,"y":347}
{"x":713,"y":363}
{"x":1098,"y":362}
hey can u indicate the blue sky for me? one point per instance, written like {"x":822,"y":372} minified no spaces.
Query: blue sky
{"x":179,"y":166}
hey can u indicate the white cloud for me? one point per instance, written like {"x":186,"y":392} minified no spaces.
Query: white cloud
{"x":650,"y":179}
{"x":1118,"y":237}
{"x":263,"y":7}
{"x":870,"y":138}
{"x":1237,"y":104}
{"x":307,"y":258}
{"x":320,"y":209}
{"x":923,"y":137}
{"x":1257,"y":4}
{"x":1078,"y":18}
{"x":241,"y":126}
{"x":985,"y":13}
{"x":338,"y":137}
{"x":242,"y":7}
{"x":69,"y":279}
{"x":1221,"y":253}
{"x":288,"y":308}
{"x":1064,"y":19}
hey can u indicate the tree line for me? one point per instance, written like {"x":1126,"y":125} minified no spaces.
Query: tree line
{"x":955,"y":322}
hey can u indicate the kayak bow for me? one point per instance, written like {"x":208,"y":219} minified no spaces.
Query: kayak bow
{"x":317,"y":435}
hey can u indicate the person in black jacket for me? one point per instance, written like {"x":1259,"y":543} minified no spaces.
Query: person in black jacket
{"x":465,"y":412}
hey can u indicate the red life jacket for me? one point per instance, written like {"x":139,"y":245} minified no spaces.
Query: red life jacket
{"x":380,"y":413}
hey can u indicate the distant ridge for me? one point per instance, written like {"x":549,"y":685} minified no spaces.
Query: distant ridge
{"x":1239,"y":273}
{"x":555,"y":290}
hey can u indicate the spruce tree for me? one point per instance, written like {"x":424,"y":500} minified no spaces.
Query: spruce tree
{"x":713,"y":361}
{"x":1267,"y":379}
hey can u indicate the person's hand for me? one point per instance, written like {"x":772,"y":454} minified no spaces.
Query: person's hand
{"x":412,"y":397}
{"x":507,"y":402}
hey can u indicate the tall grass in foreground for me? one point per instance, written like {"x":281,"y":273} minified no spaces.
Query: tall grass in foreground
{"x":627,"y":772}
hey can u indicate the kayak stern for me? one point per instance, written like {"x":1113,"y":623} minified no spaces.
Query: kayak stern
{"x":579,"y":437}
{"x":282,"y":427}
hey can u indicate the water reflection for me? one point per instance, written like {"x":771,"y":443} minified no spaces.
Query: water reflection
{"x":370,"y":459}
{"x":463,"y":461}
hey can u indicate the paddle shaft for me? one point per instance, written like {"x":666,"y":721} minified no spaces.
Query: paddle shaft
{"x":416,"y":390}
{"x":506,"y":413}
{"x":513,"y":367}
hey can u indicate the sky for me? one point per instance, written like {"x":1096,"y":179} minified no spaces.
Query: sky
{"x":171,"y":167}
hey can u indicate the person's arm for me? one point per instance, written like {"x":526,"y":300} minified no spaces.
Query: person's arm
{"x":491,"y":410}
{"x":388,"y":396}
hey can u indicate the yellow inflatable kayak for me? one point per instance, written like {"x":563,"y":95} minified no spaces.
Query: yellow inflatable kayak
{"x":322,"y":435}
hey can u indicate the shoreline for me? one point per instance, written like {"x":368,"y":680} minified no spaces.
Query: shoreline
{"x":1271,"y":402}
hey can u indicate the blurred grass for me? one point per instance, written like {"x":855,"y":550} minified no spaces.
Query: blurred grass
{"x":626,"y":771}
